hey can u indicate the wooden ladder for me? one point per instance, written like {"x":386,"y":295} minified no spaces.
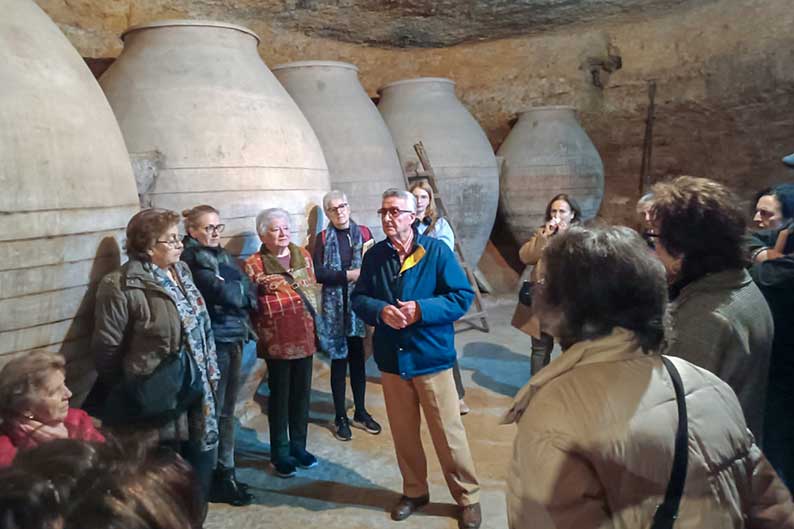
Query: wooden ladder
{"x":477,"y":312}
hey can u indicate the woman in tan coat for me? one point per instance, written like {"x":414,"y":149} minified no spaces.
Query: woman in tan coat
{"x":596,"y":428}
{"x":562,"y":211}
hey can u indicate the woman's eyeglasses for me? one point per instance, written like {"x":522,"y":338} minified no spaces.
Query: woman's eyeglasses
{"x":173,"y":243}
{"x":211,"y":228}
{"x":338,"y":208}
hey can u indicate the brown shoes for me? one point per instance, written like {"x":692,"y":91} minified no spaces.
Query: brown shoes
{"x":406,"y":507}
{"x":470,"y":516}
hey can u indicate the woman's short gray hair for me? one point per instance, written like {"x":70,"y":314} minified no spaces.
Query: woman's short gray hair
{"x":333,"y":195}
{"x":266,"y":216}
{"x":407,"y":196}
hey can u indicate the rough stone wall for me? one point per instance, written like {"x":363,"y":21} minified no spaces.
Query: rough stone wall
{"x":724,"y":72}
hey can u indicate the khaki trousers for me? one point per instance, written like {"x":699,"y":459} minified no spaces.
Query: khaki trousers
{"x":438,"y":399}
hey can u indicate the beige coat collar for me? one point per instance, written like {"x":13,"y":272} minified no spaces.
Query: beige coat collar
{"x":621,"y":344}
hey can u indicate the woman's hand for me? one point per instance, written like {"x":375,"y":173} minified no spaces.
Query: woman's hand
{"x":767,"y":254}
{"x":550,"y":228}
{"x":562,"y":226}
{"x":352,"y":275}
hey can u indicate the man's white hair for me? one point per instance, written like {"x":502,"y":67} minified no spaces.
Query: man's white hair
{"x":407,"y":196}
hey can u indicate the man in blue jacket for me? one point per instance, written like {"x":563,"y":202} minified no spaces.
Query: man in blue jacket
{"x":412,"y":289}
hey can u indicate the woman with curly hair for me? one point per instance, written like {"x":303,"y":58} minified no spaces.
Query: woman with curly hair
{"x":720,"y":320}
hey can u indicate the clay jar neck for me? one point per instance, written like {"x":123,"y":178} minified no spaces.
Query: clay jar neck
{"x":423,"y":86}
{"x":331,"y":69}
{"x":189,"y":33}
{"x":549,"y":114}
{"x":337,"y":80}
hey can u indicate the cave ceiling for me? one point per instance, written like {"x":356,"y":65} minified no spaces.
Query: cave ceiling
{"x":435,"y":23}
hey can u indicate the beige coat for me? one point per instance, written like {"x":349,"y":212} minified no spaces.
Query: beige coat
{"x":530,"y":254}
{"x":595,"y":445}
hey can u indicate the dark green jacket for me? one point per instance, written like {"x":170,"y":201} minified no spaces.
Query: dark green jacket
{"x":225,"y":288}
{"x":136,"y":324}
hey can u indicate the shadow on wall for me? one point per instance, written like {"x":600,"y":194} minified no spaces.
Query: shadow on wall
{"x":495,"y":367}
{"x":76,"y":346}
{"x":314,"y":225}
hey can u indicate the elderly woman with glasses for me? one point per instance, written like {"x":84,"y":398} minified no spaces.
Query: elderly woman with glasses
{"x":229,"y":296}
{"x":337,"y":259}
{"x":34,"y":405}
{"x":283,"y":274}
{"x":146,"y":312}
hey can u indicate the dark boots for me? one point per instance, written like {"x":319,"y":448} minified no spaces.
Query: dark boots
{"x":226,"y":488}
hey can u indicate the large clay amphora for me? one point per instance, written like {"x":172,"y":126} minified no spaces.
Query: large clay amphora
{"x":427,"y":110}
{"x":207,"y":123}
{"x":547,"y":153}
{"x":358,"y":147}
{"x":67,"y":192}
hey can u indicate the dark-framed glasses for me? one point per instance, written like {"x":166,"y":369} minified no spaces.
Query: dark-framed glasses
{"x":392,"y":212}
{"x":214,"y":228}
{"x":173,"y":242}
{"x":337,"y":209}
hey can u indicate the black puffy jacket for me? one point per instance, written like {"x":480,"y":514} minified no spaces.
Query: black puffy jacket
{"x":226,"y":289}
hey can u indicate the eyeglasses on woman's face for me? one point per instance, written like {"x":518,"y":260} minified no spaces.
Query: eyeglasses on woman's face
{"x":174,"y":242}
{"x":336,"y":210}
{"x":214,"y":228}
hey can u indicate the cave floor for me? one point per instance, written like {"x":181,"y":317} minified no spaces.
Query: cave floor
{"x":357,"y":482}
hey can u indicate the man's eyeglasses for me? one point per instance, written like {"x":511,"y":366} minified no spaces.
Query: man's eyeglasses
{"x":173,"y":243}
{"x":392,"y":212}
{"x":338,"y":208}
{"x":210,"y":228}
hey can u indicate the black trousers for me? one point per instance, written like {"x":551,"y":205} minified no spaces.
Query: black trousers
{"x":202,"y":462}
{"x":541,"y":351}
{"x":290,"y":383}
{"x":779,"y":428}
{"x":358,"y":376}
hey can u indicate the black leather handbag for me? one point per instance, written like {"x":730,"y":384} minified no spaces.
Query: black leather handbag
{"x":525,"y":293}
{"x":158,"y":398}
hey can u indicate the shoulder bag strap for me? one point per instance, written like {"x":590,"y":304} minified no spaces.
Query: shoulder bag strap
{"x":667,"y":512}
{"x":294,"y":285}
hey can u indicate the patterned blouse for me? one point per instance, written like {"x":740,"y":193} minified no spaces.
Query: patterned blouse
{"x":197,"y":337}
{"x":284,"y":324}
